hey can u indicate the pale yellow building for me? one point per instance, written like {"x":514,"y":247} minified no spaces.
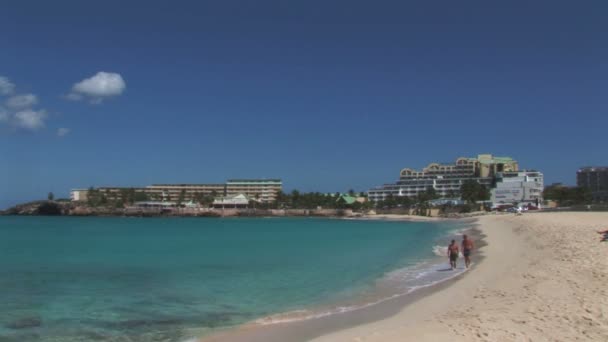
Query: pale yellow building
{"x":261,"y":190}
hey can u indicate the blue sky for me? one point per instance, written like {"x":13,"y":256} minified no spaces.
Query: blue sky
{"x":327,"y":95}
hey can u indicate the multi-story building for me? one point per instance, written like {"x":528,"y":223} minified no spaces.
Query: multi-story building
{"x":110,"y":193}
{"x":518,"y":187}
{"x":263,"y":190}
{"x":594,"y":179}
{"x":173,"y":192}
{"x":445,"y":178}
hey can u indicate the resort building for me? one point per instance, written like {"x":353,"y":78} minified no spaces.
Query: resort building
{"x":594,"y":179}
{"x":261,"y":190}
{"x":187,"y":192}
{"x":445,"y":178}
{"x":518,"y":187}
{"x":350,"y":200}
{"x":237,"y":201}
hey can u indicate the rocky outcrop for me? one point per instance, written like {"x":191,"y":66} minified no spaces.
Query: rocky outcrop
{"x":47,"y":208}
{"x":64,"y":208}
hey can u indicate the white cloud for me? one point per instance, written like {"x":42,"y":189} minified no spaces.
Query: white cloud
{"x":6,"y":86}
{"x":30,"y":119}
{"x":19,"y":111}
{"x":61,"y":132}
{"x":98,"y":87}
{"x":22,"y":101}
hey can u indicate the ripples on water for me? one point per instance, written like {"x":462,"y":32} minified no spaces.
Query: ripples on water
{"x":115,"y":279}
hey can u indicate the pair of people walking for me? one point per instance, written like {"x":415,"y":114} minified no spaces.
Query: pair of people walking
{"x":454,"y":251}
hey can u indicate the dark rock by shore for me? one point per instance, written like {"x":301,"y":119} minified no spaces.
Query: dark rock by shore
{"x":46,"y":208}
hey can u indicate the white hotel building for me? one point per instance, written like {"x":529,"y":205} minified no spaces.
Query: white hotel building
{"x":518,"y":187}
{"x":447,"y":179}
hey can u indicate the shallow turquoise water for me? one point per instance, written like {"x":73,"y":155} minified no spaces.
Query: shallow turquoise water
{"x":157,"y":279}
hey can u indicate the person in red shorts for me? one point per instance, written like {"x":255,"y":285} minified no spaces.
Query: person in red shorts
{"x":467,"y":248}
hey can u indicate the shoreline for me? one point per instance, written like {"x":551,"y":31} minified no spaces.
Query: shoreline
{"x":62,"y":208}
{"x":310,"y":328}
{"x":399,"y":217}
{"x":523,"y":290}
{"x":518,"y":289}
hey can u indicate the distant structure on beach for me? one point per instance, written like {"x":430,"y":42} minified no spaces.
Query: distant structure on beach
{"x":594,"y":178}
{"x":518,"y":187}
{"x":261,"y":190}
{"x":508,"y":184}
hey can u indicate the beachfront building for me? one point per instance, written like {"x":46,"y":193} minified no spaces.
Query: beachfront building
{"x":445,"y":178}
{"x":110,"y":193}
{"x":154,"y":205}
{"x":350,"y":200}
{"x":184,"y":192}
{"x":236,"y":201}
{"x":261,"y":190}
{"x":518,"y":187}
{"x":595,"y":179}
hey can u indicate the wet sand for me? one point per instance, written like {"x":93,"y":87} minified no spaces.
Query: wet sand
{"x":543,"y":277}
{"x":309,"y":329}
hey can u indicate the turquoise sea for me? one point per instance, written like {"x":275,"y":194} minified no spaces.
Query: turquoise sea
{"x":171,"y":279}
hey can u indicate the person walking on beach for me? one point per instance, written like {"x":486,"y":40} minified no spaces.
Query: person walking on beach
{"x":453,"y":254}
{"x":467,"y":248}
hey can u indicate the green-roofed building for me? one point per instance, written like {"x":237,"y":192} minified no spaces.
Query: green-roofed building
{"x":347,"y":199}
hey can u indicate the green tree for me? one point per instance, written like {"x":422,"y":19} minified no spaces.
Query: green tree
{"x":182,"y":197}
{"x":404,"y":201}
{"x":295,"y":198}
{"x":125,"y":196}
{"x":471,"y":191}
{"x":431,"y":193}
{"x":581,"y":195}
{"x":483,"y":193}
{"x":50,"y":196}
{"x":564,"y":195}
{"x":422,"y":202}
{"x":140,"y":196}
{"x":390,"y":201}
{"x":92,"y":197}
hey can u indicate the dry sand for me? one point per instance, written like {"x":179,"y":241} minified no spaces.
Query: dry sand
{"x":544,"y":277}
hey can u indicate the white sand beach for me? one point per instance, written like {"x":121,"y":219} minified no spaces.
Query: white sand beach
{"x":544,"y":278}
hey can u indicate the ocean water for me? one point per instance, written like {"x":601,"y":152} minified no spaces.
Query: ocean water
{"x":171,"y":279}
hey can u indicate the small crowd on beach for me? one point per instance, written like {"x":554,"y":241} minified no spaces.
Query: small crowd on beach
{"x":454,"y":251}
